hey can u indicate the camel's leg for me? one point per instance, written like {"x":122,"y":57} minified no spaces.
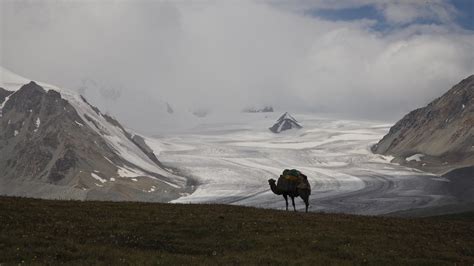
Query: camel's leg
{"x":306,"y":202}
{"x":305,"y":197}
{"x":293,"y":201}
{"x":286,"y":200}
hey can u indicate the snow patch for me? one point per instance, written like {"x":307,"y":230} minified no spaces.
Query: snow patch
{"x":15,"y":133}
{"x":110,"y":161}
{"x":383,"y":158}
{"x":127,"y":172}
{"x":3,"y":104}
{"x":416,"y":157}
{"x":152,"y":189}
{"x":112,"y":179}
{"x":134,"y":180}
{"x":95,"y":176}
{"x":81,"y":125}
{"x":37,"y":124}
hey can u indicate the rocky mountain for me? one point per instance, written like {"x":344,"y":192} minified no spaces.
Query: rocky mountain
{"x":54,"y":144}
{"x":169,"y":109}
{"x":438,"y":137}
{"x":200,"y":113}
{"x":285,"y":122}
{"x":265,"y":109}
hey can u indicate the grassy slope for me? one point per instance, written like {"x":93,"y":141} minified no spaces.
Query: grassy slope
{"x":140,"y":233}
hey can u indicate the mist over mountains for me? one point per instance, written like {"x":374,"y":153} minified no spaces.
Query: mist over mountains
{"x":226,"y":55}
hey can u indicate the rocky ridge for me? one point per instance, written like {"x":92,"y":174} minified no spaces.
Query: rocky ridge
{"x":437,"y":138}
{"x":54,"y":144}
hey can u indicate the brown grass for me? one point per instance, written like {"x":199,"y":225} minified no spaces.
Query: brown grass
{"x":41,"y":231}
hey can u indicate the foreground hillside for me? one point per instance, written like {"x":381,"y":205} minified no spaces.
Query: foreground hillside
{"x":145,"y":233}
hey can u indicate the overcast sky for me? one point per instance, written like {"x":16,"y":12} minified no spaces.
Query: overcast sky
{"x":371,"y":59}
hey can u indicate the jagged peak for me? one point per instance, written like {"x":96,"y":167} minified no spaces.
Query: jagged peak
{"x":285,"y":122}
{"x":285,"y":116}
{"x":31,"y":86}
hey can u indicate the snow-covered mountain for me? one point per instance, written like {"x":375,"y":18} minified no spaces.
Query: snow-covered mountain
{"x":265,"y":109}
{"x":285,"y":122}
{"x":54,"y":144}
{"x":438,"y":137}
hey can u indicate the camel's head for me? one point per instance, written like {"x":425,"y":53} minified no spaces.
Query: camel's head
{"x":271,"y":181}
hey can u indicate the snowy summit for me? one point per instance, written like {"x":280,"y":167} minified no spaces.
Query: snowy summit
{"x":285,"y":122}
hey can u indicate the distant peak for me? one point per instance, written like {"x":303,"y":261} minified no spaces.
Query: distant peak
{"x":285,"y":122}
{"x":285,"y":116}
{"x":169,"y":109}
{"x":32,"y":86}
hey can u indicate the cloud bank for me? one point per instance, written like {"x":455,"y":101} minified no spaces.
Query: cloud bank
{"x":133,"y":57}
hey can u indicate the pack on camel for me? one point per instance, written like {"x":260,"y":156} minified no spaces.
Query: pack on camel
{"x":292,"y":183}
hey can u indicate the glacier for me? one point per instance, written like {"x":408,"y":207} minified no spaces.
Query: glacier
{"x":232,"y":162}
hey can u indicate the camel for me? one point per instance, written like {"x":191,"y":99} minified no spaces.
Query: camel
{"x":302,"y":189}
